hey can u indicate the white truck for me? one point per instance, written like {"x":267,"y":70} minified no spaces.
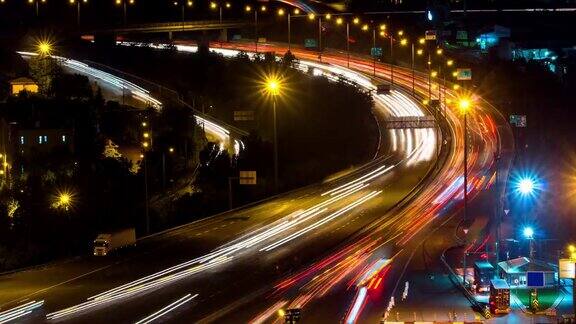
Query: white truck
{"x":107,"y":242}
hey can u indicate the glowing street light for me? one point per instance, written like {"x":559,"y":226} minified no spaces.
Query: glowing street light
{"x":36,"y":4}
{"x":124,"y":4}
{"x":63,"y":199}
{"x":77,"y":2}
{"x":44,"y":48}
{"x":311,"y":16}
{"x":526,"y":186}
{"x":422,"y":41}
{"x":403,"y":42}
{"x":420,"y":51}
{"x":465,"y":106}
{"x":528,"y":232}
{"x":281,"y":12}
{"x":339,"y":21}
{"x":356,"y":21}
{"x":328,"y":16}
{"x":273,"y":87}
{"x":183,"y":4}
{"x":450,"y":62}
{"x":296,"y":11}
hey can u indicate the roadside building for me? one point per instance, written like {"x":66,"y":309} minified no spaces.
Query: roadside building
{"x":23,"y":84}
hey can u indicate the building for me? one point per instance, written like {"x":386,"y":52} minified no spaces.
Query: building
{"x":515,"y":271}
{"x":23,"y":84}
{"x":43,"y":140}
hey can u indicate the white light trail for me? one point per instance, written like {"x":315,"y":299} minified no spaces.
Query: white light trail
{"x":172,"y":306}
{"x":358,"y":302}
{"x":19,"y":311}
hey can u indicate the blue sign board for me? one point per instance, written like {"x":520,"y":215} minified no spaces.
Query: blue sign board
{"x":535,"y":279}
{"x":376,"y":51}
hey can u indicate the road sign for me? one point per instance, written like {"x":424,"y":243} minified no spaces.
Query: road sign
{"x":310,"y":43}
{"x":461,"y":35}
{"x":243,"y":115}
{"x":261,"y":39}
{"x":376,"y":51}
{"x":518,"y":120}
{"x":535,"y":279}
{"x":566,"y":269}
{"x":247,"y":178}
{"x":506,"y":211}
{"x":464,"y":74}
{"x":430,"y":35}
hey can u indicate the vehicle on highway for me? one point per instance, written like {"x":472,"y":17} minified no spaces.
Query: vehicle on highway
{"x":483,"y":273}
{"x":108,"y":242}
{"x":499,"y":296}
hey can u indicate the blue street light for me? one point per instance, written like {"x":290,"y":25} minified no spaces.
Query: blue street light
{"x":526,"y":186}
{"x":528,"y":232}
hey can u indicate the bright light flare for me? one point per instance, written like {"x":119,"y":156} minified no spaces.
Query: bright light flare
{"x":528,"y":232}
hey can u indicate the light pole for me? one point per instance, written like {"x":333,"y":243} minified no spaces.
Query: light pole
{"x":529,"y":234}
{"x":465,"y":106}
{"x":273,"y":87}
{"x":248,"y":9}
{"x":36,"y":4}
{"x":124,"y":4}
{"x":183,"y":5}
{"x":146,"y":145}
{"x":77,"y":2}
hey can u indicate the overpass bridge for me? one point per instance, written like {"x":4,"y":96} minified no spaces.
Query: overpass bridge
{"x":169,"y":27}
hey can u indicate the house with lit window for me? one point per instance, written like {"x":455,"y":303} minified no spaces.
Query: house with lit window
{"x":23,"y":84}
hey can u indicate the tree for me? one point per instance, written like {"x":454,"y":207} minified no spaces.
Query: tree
{"x":44,"y":69}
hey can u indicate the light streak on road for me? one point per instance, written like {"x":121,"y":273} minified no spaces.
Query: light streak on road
{"x":357,"y":306}
{"x":19,"y":311}
{"x":271,"y":311}
{"x":165,"y":310}
{"x":321,"y":222}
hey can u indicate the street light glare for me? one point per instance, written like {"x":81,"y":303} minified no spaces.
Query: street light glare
{"x":464,"y":105}
{"x":526,"y":186}
{"x":311,"y":16}
{"x":44,"y":47}
{"x":528,"y":232}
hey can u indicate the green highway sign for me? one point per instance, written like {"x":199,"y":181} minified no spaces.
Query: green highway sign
{"x":376,"y":51}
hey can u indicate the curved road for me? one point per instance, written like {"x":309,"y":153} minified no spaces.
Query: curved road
{"x":253,"y":248}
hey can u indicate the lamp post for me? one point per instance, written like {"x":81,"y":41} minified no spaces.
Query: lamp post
{"x":146,"y":145}
{"x":77,"y":2}
{"x":183,"y":5}
{"x":465,"y":106}
{"x":124,"y":4}
{"x":273,"y":88}
{"x":36,"y":4}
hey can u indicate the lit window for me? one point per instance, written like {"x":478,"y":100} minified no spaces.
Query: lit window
{"x":45,"y":139}
{"x":39,"y":139}
{"x":42,"y":139}
{"x":21,"y":140}
{"x":63,"y":138}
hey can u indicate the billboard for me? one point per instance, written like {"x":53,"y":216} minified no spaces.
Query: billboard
{"x":566,"y":269}
{"x":535,"y":279}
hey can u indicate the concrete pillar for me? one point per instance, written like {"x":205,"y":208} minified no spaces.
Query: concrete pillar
{"x":170,"y":35}
{"x":223,"y":35}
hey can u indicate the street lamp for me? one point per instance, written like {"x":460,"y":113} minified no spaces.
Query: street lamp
{"x":63,"y":199}
{"x":249,"y":9}
{"x":36,"y":4}
{"x":529,"y":234}
{"x":124,"y":4}
{"x":44,"y":48}
{"x":77,"y":2}
{"x":183,"y":4}
{"x":465,"y":105}
{"x":273,"y":88}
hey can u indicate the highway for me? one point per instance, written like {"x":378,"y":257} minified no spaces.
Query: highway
{"x":237,"y":259}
